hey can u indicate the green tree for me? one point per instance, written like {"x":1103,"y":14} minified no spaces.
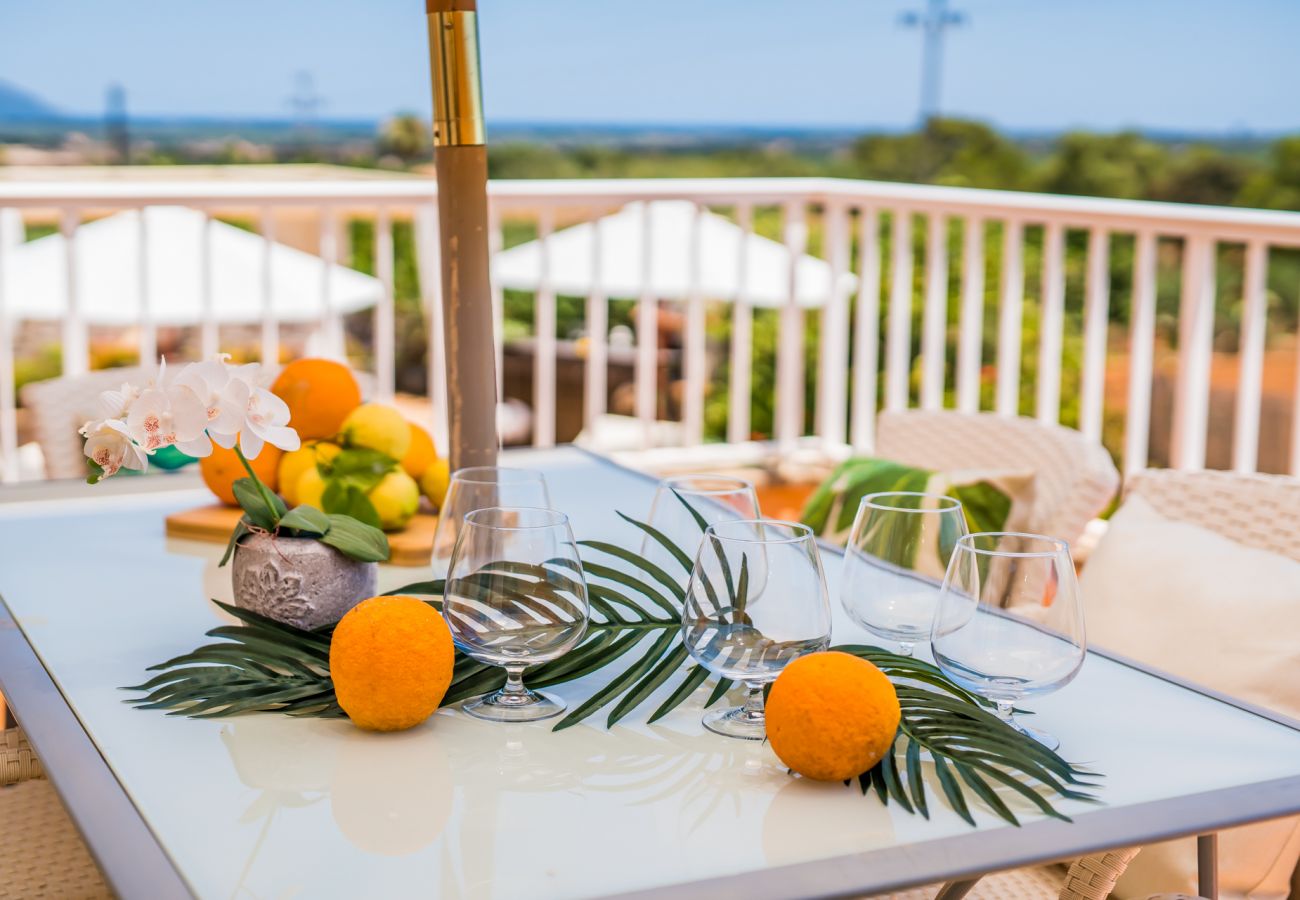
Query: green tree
{"x":406,"y":136}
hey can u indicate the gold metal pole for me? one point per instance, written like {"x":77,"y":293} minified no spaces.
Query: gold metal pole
{"x":460,"y":157}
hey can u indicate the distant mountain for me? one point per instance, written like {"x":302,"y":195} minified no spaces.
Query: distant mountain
{"x":17,"y":105}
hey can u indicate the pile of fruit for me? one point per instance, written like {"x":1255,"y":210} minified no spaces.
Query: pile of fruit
{"x":363,"y":460}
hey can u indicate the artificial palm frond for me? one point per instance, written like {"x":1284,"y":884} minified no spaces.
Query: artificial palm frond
{"x":634,"y":630}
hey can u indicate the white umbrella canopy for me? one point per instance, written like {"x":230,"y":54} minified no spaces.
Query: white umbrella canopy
{"x":108,"y":274}
{"x":766,"y":276}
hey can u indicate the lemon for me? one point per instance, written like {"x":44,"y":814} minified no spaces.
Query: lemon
{"x":310,"y":489}
{"x":379,"y":428}
{"x":395,"y":498}
{"x":421,"y":453}
{"x":292,"y":465}
{"x":434,"y":481}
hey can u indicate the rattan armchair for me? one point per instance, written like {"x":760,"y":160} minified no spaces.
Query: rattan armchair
{"x":1074,"y":477}
{"x":41,"y":854}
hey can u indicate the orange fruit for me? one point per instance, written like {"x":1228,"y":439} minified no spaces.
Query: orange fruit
{"x":320,"y":393}
{"x":421,"y":452}
{"x":222,"y":469}
{"x":391,"y":660}
{"x":832,"y":715}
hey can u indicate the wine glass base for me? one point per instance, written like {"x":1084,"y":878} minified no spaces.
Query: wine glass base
{"x":737,"y":723}
{"x":1051,"y":742}
{"x":519,"y":706}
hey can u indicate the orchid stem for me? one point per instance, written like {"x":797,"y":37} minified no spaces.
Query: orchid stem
{"x":262,"y":488}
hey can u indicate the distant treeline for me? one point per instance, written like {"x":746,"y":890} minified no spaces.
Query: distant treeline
{"x":1245,"y":172}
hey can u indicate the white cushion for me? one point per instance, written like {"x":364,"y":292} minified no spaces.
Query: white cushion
{"x":1193,"y":603}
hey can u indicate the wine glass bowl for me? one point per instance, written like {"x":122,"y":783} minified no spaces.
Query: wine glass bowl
{"x":482,"y":487}
{"x":745,"y":641}
{"x":680,"y":499}
{"x":515,"y":597}
{"x":895,"y":560}
{"x":1009,"y":622}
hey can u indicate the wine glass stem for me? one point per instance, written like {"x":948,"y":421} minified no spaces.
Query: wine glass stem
{"x":753,"y":709}
{"x":1006,"y":712}
{"x":904,"y":648}
{"x":514,"y":680}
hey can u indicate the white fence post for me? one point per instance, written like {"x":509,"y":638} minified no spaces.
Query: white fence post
{"x":1051,"y":325}
{"x":8,"y":414}
{"x":1010,"y":317}
{"x":545,"y":346}
{"x":1142,"y":330}
{"x":1254,"y":321}
{"x":832,"y":400}
{"x":789,"y":347}
{"x":270,"y":325}
{"x":970,"y":344}
{"x":1096,"y":316}
{"x":148,"y":327}
{"x":866,"y":331}
{"x":694,"y":360}
{"x":898,"y":343}
{"x":76,"y":338}
{"x":934,"y":330}
{"x":646,"y":375}
{"x":385,"y":312}
{"x":597,"y":395}
{"x":742,"y":334}
{"x":1196,"y":344}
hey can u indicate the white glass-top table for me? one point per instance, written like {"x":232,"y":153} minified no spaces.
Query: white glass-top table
{"x":269,"y":806}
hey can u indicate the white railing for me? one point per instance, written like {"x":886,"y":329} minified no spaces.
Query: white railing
{"x":848,"y":215}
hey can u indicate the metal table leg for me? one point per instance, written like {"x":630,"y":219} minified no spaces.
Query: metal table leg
{"x":1207,"y":866}
{"x":955,"y":890}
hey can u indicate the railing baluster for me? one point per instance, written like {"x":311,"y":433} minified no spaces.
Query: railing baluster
{"x":497,"y":243}
{"x":742,"y":331}
{"x":209,"y":336}
{"x":832,"y":402}
{"x":1096,"y":317}
{"x":1051,"y":324}
{"x":385,"y":314}
{"x":1254,"y":321}
{"x":970,"y":342}
{"x":789,"y":348}
{"x":270,"y":324}
{"x":646,"y":375}
{"x":898,"y":343}
{"x":1010,"y":315}
{"x":8,"y":414}
{"x":76,"y":339}
{"x":597,"y":396}
{"x":329,"y":254}
{"x":544,"y":326}
{"x":934,"y":330}
{"x":1142,"y":330}
{"x":148,"y":327}
{"x":866,"y":331}
{"x":693,"y":345}
{"x":427,"y":258}
{"x":1196,"y":345}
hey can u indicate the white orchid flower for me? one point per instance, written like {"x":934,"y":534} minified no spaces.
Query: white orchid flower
{"x":110,"y":446}
{"x":172,"y":416}
{"x":211,"y":383}
{"x":266,"y":419}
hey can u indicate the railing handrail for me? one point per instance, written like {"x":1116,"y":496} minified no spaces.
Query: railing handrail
{"x":1227,"y":223}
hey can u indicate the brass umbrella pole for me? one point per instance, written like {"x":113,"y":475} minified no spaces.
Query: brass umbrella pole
{"x":460,"y":158}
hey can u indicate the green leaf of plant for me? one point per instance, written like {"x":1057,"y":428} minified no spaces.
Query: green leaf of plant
{"x":341,"y":499}
{"x":306,"y":520}
{"x":694,"y":678}
{"x":256,"y":509}
{"x":356,"y":539}
{"x":241,"y":529}
{"x":360,"y":467}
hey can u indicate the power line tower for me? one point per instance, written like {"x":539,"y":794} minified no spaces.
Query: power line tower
{"x":305,"y":102}
{"x":115,"y":123}
{"x":936,"y":19}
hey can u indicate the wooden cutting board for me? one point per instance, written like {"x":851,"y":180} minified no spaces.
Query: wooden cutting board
{"x":412,"y":546}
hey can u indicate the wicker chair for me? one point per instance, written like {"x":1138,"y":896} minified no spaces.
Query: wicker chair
{"x":42,"y":855}
{"x":1074,"y":478}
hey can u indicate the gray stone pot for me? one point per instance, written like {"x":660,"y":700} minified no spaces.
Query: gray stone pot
{"x":299,"y":581}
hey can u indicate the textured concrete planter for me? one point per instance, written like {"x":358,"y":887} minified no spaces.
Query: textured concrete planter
{"x":299,"y":581}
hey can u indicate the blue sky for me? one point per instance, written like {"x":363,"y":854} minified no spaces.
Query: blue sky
{"x":1215,"y":65}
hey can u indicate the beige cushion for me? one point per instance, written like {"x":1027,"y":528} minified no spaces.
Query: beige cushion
{"x":1202,"y":607}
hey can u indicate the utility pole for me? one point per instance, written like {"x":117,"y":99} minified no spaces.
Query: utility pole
{"x":933,"y":22}
{"x":115,"y":124}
